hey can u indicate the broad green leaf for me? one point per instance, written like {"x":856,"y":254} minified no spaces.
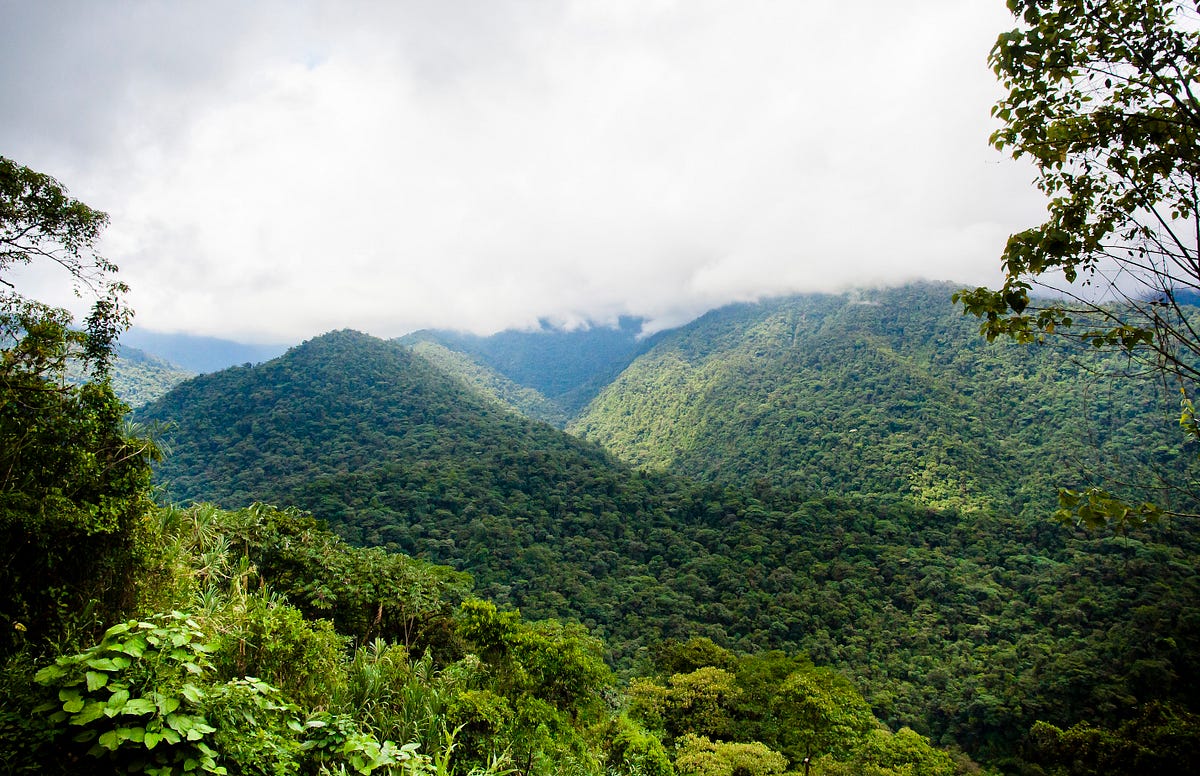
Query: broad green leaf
{"x":96,"y":680}
{"x":49,"y":674}
{"x":138,"y":706}
{"x":116,"y":702}
{"x":90,"y":712}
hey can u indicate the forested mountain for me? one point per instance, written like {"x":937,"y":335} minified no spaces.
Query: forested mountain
{"x":139,"y":377}
{"x":889,"y":392}
{"x":489,"y":383}
{"x":565,"y":367}
{"x":968,"y":624}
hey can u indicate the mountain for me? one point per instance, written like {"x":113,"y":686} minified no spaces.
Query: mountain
{"x":137,"y":377}
{"x":566,"y":368}
{"x":968,"y":625}
{"x":199,"y":354}
{"x":489,"y":383}
{"x":886,"y":392}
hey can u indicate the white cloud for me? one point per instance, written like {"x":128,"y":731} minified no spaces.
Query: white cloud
{"x":275,"y":170}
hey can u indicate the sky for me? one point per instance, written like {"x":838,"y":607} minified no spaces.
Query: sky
{"x":277,"y":169}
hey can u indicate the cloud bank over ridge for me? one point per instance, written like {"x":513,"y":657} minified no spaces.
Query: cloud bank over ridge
{"x":274,"y":169}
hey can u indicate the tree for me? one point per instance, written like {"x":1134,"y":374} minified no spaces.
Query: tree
{"x":39,"y":221}
{"x":826,"y":712}
{"x":74,"y":484}
{"x":1102,"y":96}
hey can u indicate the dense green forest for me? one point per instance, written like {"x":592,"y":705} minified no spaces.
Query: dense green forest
{"x":950,"y":616}
{"x":890,"y":392}
{"x":826,"y":535}
{"x":143,"y":638}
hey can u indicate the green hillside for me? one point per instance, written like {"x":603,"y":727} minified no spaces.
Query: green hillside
{"x":565,"y":367}
{"x":965,"y":625}
{"x":139,"y":377}
{"x":489,"y":383}
{"x":887,"y":392}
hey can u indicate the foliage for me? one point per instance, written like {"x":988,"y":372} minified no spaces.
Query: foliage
{"x":73,"y":484}
{"x":952,"y":622}
{"x":73,"y":488}
{"x":1101,"y":98}
{"x":137,"y":377}
{"x":889,"y":393}
{"x":825,"y":710}
{"x":487,"y":382}
{"x":1160,"y":739}
{"x":904,"y":753}
{"x":39,"y":222}
{"x":148,"y":698}
{"x":545,"y":683}
{"x":698,"y":756}
{"x":631,"y":750}
{"x":562,"y":368}
{"x":264,"y":638}
{"x":134,"y":699}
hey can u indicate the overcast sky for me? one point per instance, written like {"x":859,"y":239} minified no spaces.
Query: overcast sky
{"x":274,"y":170}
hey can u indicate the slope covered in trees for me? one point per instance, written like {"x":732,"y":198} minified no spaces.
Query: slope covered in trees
{"x":969,"y":626}
{"x":489,"y":383}
{"x":566,"y":367}
{"x":172,"y":642}
{"x":138,"y":377}
{"x":888,"y":392}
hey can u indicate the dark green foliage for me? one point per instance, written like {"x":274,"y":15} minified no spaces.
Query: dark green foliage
{"x":133,"y":701}
{"x":632,"y":751}
{"x":73,"y":489}
{"x":1159,"y":739}
{"x":367,"y":593}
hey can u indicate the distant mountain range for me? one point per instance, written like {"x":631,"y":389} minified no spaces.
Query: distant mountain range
{"x":198,"y":354}
{"x":550,"y":374}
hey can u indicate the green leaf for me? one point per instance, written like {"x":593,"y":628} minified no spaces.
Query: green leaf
{"x":90,"y":712}
{"x":139,"y":706}
{"x":166,"y":703}
{"x":96,"y":680}
{"x":111,"y":739}
{"x":116,"y":702}
{"x":135,"y":647}
{"x":49,"y":674}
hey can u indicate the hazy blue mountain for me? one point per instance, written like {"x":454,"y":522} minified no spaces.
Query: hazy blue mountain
{"x":567,"y":367}
{"x":199,"y":354}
